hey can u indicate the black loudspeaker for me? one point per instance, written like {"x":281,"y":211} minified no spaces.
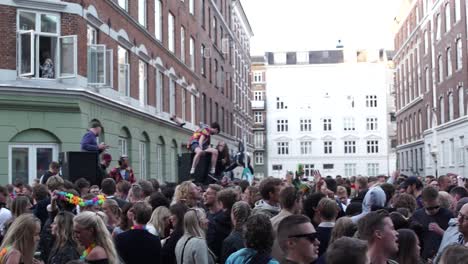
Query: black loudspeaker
{"x":201,"y":171}
{"x":79,"y":164}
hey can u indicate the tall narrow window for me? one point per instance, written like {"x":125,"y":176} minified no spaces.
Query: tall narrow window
{"x":203,"y":61}
{"x":449,"y":62}
{"x":441,"y":69}
{"x":123,"y":4}
{"x":372,"y":146}
{"x":448,"y":21}
{"x":349,"y":147}
{"x":327,"y":126}
{"x":124,"y":71}
{"x":371,"y":100}
{"x":371,"y":123}
{"x":305,"y":125}
{"x":142,"y":12}
{"x":143,"y":160}
{"x":461,"y":102}
{"x":215,"y":31}
{"x":426,"y":42}
{"x":203,"y":16}
{"x":158,"y":20}
{"x":182,"y":44}
{"x":306,"y":147}
{"x":438,"y":26}
{"x":428,"y":80}
{"x":457,"y":10}
{"x":192,"y":7}
{"x":159,"y":90}
{"x":459,"y":54}
{"x":442,"y":110}
{"x":171,"y":32}
{"x":327,"y":147}
{"x":450,"y":106}
{"x":172,"y":97}
{"x":428,"y":117}
{"x":142,"y":82}
{"x":192,"y":54}
{"x":283,"y":148}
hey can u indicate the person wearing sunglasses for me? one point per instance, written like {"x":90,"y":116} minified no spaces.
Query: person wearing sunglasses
{"x":431,"y":222}
{"x":298,"y":240}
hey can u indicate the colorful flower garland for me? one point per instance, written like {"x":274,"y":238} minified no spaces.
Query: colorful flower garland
{"x":3,"y":252}
{"x":138,"y":227}
{"x":87,"y":251}
{"x":76,"y":200}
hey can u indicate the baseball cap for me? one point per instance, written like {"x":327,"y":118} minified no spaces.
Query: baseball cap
{"x":412,"y":180}
{"x":106,"y":157}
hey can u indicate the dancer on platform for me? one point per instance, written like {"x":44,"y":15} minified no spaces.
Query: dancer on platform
{"x":200,"y":143}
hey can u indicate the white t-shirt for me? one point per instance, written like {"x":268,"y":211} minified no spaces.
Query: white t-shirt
{"x":5,"y":215}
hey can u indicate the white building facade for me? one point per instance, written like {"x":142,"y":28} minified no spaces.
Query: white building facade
{"x":327,"y":113}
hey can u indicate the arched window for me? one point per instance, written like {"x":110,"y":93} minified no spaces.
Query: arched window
{"x":449,"y":62}
{"x":459,"y":54}
{"x":450,"y":106}
{"x":442,"y":110}
{"x":441,"y":69}
{"x":160,"y":159}
{"x":461,"y":101}
{"x":448,"y":21}
{"x":428,"y":117}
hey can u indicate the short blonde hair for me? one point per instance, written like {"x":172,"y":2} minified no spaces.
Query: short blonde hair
{"x":158,"y":219}
{"x":341,"y":190}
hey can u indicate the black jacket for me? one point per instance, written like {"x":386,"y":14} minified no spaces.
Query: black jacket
{"x":219,"y":228}
{"x":64,"y":254}
{"x":323,"y":235}
{"x":231,"y":244}
{"x":138,"y":246}
{"x":168,"y":251}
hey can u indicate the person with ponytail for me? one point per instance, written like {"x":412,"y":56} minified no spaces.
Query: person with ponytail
{"x":65,"y":247}
{"x":91,"y":232}
{"x":19,"y":243}
{"x":240,"y":212}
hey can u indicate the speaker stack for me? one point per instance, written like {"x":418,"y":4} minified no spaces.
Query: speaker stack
{"x":80,"y":164}
{"x":201,"y":171}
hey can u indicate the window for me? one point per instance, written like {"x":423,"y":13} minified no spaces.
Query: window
{"x":182,"y":44}
{"x":203,"y":61}
{"x":259,"y":158}
{"x":443,"y":154}
{"x":172,"y":97}
{"x":449,"y":62}
{"x":215,"y":30}
{"x":142,"y":12}
{"x":457,"y":10}
{"x":448,"y":21}
{"x":459,"y":55}
{"x":349,"y":124}
{"x":123,"y":146}
{"x":123,"y":4}
{"x":350,"y":169}
{"x":280,"y":58}
{"x":426,"y":42}
{"x":461,"y":151}
{"x":327,"y":147}
{"x":302,"y":57}
{"x":259,"y":139}
{"x":442,"y":110}
{"x":371,"y":100}
{"x":142,"y":82}
{"x":159,"y":90}
{"x":372,"y":169}
{"x":420,"y":122}
{"x":280,"y":104}
{"x":192,"y":53}
{"x":450,"y":106}
{"x":308,"y":170}
{"x":28,"y":162}
{"x":258,"y":77}
{"x":452,"y":153}
{"x":283,"y":148}
{"x":124,"y":71}
{"x":428,"y":80}
{"x":41,"y":51}
{"x":184,"y":105}
{"x":282,"y":125}
{"x":277,"y":167}
{"x":371,"y":123}
{"x":372,"y":146}
{"x":328,"y":166}
{"x":203,"y":16}
{"x":192,"y":7}
{"x":438,"y":27}
{"x":258,"y":117}
{"x":143,"y":160}
{"x":350,"y":147}
{"x":91,"y":34}
{"x":100,"y":62}
{"x":258,"y":95}
{"x":171,"y":32}
{"x":441,"y":69}
{"x":327,"y":126}
{"x":306,"y":147}
{"x":461,"y":102}
{"x":158,"y":20}
{"x":428,"y":117}
{"x":306,"y":125}
{"x":192,"y":111}
{"x":203,"y":109}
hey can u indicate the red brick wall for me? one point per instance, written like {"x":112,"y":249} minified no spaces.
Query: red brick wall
{"x":8,"y":37}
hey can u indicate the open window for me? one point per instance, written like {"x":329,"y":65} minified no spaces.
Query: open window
{"x":100,"y":65}
{"x":68,"y":56}
{"x":26,"y":53}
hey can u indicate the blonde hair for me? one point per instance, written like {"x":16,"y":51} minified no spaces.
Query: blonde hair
{"x":182,"y":193}
{"x":94,"y":221}
{"x":20,"y":205}
{"x":158,"y":219}
{"x":192,"y":222}
{"x":64,"y":222}
{"x":114,"y":207}
{"x":344,"y":227}
{"x":20,"y":236}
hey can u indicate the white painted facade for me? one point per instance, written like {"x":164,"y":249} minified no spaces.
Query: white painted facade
{"x":318,"y":92}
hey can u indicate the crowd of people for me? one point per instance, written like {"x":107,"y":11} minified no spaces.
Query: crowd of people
{"x":359,"y":220}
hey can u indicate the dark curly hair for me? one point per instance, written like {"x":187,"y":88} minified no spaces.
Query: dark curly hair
{"x":258,"y":234}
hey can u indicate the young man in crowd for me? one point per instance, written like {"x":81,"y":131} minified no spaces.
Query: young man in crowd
{"x":137,"y":245}
{"x":136,"y":193}
{"x":328,"y":211}
{"x":54,"y":168}
{"x":108,"y":189}
{"x":123,"y":171}
{"x":269,"y":190}
{"x":347,"y":250}
{"x":414,"y":187}
{"x":106,"y":160}
{"x":382,"y":239}
{"x":122,"y":189}
{"x":463,"y":224}
{"x":200,"y":143}
{"x":430,"y":222}
{"x":298,"y":240}
{"x":444,"y":183}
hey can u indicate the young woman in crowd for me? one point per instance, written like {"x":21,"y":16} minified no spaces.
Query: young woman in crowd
{"x":65,"y":247}
{"x":344,"y":227}
{"x":251,"y":196}
{"x":19,"y":243}
{"x":125,"y":223}
{"x":191,"y":247}
{"x":91,"y":232}
{"x":112,"y":210}
{"x":408,"y":247}
{"x":240,"y":212}
{"x":176,"y":220}
{"x":159,"y":224}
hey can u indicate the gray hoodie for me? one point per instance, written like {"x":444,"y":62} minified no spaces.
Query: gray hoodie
{"x":374,"y":197}
{"x":262,"y":207}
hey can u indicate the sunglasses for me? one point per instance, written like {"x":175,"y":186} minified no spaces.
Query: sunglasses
{"x":311,"y":236}
{"x":432,"y":208}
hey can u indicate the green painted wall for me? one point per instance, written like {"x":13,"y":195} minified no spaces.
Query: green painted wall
{"x":45,"y":119}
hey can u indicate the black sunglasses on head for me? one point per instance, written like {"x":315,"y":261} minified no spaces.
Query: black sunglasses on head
{"x":311,"y":236}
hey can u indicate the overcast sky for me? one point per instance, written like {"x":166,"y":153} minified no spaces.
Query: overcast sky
{"x":289,"y":25}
